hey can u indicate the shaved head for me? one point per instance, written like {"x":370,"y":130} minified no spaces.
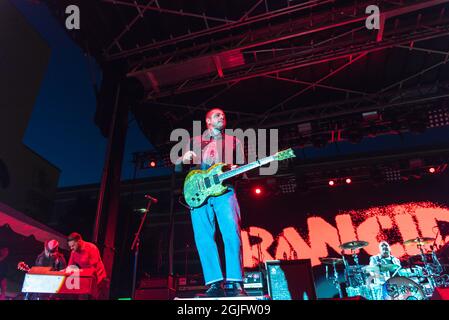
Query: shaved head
{"x":216,"y":119}
{"x":212,"y":111}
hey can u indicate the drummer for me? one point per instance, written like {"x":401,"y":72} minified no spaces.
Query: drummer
{"x":384,"y":258}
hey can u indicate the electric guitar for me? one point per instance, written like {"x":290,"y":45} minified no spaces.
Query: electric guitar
{"x":22,"y":266}
{"x":202,"y":184}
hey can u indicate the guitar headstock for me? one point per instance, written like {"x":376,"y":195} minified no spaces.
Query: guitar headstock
{"x":22,"y":266}
{"x":285,"y":154}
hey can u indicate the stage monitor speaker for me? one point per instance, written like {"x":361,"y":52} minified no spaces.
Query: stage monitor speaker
{"x":290,"y":280}
{"x":440,"y":294}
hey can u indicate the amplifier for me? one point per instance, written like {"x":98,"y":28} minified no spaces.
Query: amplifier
{"x":190,"y":280}
{"x":154,"y":294}
{"x":290,"y":280}
{"x":149,"y":283}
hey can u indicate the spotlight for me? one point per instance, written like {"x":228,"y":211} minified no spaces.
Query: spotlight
{"x":392,"y":174}
{"x":348,"y":180}
{"x":438,"y":118}
{"x":331,"y":183}
{"x":432,"y":170}
{"x":152,"y":164}
{"x":258,"y":191}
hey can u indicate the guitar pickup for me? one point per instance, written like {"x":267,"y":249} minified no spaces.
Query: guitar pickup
{"x":207,"y":182}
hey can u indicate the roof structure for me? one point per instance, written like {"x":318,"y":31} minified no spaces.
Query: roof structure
{"x":269,"y":63}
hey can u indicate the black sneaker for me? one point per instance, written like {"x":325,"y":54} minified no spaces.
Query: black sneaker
{"x":215,"y":290}
{"x":236,"y":290}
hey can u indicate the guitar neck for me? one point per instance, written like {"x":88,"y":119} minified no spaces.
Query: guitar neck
{"x":246,"y":167}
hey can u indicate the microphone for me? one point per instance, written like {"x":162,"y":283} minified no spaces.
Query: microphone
{"x":147,"y":196}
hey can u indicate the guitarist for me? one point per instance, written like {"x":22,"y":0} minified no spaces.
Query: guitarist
{"x":215,"y":147}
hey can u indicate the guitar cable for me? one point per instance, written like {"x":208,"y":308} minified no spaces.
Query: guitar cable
{"x":184,"y":204}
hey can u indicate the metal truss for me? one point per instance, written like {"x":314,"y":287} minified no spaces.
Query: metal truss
{"x":424,"y":96}
{"x":227,"y":26}
{"x":294,"y":61}
{"x":292,"y":57}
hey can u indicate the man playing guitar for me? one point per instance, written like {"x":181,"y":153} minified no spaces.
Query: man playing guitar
{"x":224,"y":208}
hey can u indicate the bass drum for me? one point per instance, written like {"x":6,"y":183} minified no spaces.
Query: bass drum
{"x":402,"y":288}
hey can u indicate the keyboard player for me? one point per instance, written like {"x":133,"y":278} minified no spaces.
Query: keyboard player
{"x":85,"y":255}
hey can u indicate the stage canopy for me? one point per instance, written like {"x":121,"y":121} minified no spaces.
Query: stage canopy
{"x":16,"y":225}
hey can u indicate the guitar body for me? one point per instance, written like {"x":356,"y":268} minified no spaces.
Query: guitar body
{"x":202,"y":184}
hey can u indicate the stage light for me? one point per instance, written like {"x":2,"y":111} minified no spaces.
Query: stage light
{"x":438,"y":117}
{"x":288,"y":186}
{"x":153,"y":164}
{"x":392,"y":174}
{"x":432,"y":170}
{"x":331,"y":183}
{"x":348,"y":180}
{"x":371,"y":116}
{"x":258,"y":191}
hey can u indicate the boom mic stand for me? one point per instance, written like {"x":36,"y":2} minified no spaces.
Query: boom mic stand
{"x":136,"y":245}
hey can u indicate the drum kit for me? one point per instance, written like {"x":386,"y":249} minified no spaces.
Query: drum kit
{"x":416,"y":279}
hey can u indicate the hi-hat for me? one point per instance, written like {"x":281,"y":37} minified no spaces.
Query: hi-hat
{"x":419,"y":241}
{"x":331,"y":260}
{"x":352,"y":245}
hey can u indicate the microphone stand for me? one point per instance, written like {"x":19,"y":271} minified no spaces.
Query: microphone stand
{"x":136,"y":245}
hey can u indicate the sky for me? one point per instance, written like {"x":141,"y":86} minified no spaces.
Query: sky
{"x":62,"y":129}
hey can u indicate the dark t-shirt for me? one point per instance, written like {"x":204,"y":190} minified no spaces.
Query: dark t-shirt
{"x":225,"y":148}
{"x":57,"y":262}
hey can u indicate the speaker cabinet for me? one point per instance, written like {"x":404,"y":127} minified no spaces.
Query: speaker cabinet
{"x":290,"y":280}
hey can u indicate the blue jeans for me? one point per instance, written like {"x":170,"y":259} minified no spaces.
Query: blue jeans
{"x":227,"y":211}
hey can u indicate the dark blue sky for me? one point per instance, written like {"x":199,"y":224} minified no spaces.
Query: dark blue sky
{"x":62,"y":129}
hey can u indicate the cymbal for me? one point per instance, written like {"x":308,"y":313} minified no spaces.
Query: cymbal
{"x":351,"y":245}
{"x":419,"y":241}
{"x":381,"y":268}
{"x":331,"y":260}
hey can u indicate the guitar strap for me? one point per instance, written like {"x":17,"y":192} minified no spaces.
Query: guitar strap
{"x":222,"y":152}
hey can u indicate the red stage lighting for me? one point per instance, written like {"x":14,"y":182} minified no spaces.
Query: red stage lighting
{"x":348,"y":180}
{"x":331,"y":183}
{"x":432,"y":170}
{"x":258,"y":191}
{"x":152,"y":164}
